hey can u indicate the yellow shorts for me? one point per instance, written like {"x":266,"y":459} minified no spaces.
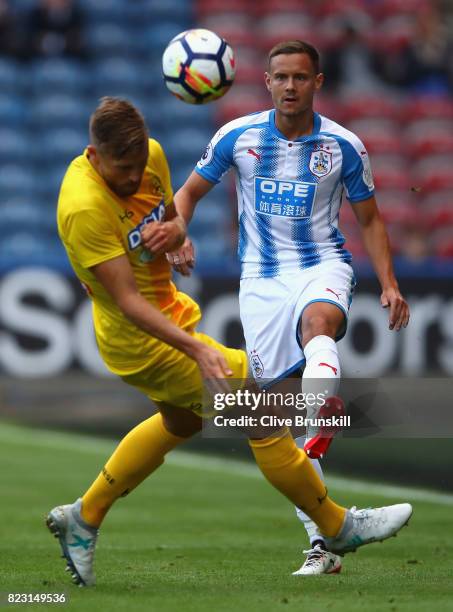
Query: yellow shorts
{"x":176,"y":379}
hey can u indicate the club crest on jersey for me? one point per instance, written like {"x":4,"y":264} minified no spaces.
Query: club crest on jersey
{"x":320,"y":162}
{"x":257,"y":365}
{"x":290,"y":199}
{"x":134,"y":237}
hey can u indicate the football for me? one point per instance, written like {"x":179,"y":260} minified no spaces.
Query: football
{"x":198,"y":66}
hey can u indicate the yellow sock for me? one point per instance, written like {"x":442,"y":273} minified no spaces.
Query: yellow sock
{"x":290,"y":471}
{"x":138,"y":454}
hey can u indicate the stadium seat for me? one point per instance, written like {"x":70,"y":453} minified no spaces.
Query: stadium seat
{"x":187,"y":144}
{"x":390,"y":172}
{"x":15,"y":146}
{"x":103,"y":11}
{"x":433,"y":172}
{"x":110,"y":39}
{"x":392,"y":33}
{"x":388,"y":8}
{"x":210,"y":7}
{"x":159,"y":34}
{"x":59,"y":76}
{"x":60,"y":110}
{"x":250,"y":66}
{"x":24,"y":246}
{"x":173,"y":114}
{"x":180,"y":13}
{"x":117,"y":76}
{"x":438,"y":208}
{"x":62,"y":145}
{"x":378,"y":135}
{"x":427,"y":107}
{"x":12,"y":76}
{"x":442,"y":240}
{"x":234,"y":27}
{"x":364,"y":106}
{"x":16,"y":180}
{"x":22,"y":212}
{"x":427,"y":136}
{"x":397,"y":207}
{"x":242,"y":100}
{"x":13,"y":110}
{"x":274,"y":28}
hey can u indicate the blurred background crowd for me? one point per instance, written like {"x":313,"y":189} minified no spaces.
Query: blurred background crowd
{"x":389,"y":78}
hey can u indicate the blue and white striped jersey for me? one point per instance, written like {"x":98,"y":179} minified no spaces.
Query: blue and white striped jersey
{"x":289,"y":192}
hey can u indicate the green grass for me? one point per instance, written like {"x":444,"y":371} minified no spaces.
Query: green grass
{"x":205,"y":534}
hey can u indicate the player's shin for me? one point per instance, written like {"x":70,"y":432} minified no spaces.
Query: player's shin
{"x":290,"y":471}
{"x":139,"y":453}
{"x":321,"y":379}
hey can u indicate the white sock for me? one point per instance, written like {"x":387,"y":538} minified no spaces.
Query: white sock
{"x":321,"y":375}
{"x":322,"y":372}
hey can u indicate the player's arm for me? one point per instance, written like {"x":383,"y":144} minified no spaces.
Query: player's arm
{"x":377,"y":245}
{"x":167,"y":235}
{"x":186,"y":198}
{"x":196,"y":187}
{"x":117,"y":278}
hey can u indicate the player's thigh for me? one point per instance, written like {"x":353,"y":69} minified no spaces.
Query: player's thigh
{"x":176,"y":380}
{"x":326,"y":301}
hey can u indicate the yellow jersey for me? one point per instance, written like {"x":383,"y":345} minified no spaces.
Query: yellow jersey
{"x":96,"y":225}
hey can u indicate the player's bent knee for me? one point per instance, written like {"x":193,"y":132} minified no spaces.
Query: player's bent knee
{"x":180,"y":421}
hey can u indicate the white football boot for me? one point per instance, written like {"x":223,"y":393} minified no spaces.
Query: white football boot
{"x":77,"y":541}
{"x":362,"y":527}
{"x":319,"y":561}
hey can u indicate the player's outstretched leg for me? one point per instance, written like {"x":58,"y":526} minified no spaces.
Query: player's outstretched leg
{"x":289,"y":470}
{"x":76,"y":525}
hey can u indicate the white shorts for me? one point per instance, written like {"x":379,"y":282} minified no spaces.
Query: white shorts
{"x":271,"y":309}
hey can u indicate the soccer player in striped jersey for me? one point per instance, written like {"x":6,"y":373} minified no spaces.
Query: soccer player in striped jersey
{"x":292,"y":167}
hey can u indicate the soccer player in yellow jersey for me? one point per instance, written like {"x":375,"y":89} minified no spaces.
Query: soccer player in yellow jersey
{"x":146,"y":332}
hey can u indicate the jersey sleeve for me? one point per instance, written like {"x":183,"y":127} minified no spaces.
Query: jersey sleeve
{"x":163,"y":170}
{"x":356,"y":174}
{"x":91,"y":239}
{"x":218,"y":156}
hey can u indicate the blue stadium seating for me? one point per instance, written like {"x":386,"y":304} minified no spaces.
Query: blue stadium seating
{"x":59,"y":76}
{"x":13,"y":110}
{"x":117,"y":76}
{"x":15,"y":146}
{"x":59,"y":110}
{"x":11,"y":77}
{"x":16,"y":180}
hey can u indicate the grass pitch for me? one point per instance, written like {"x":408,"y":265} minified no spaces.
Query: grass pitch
{"x":206,"y":534}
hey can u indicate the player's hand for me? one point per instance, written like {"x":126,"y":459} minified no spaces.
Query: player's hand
{"x":162,"y":236}
{"x":183,"y":259}
{"x":214,"y":368}
{"x":399,"y":308}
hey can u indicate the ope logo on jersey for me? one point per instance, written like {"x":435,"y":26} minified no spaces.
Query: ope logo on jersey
{"x":292,"y":199}
{"x":134,"y":237}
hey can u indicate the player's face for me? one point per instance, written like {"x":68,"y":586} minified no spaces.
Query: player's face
{"x":123,"y":175}
{"x":292,"y":82}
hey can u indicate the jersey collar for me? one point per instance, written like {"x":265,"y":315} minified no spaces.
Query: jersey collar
{"x":276,"y":131}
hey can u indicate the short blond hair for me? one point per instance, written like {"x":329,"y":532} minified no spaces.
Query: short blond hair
{"x":117,"y":127}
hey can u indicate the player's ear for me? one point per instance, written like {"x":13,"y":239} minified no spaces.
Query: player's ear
{"x":267,"y":80}
{"x":319,"y":80}
{"x":92,"y":152}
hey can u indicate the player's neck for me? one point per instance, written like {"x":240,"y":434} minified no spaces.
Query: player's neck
{"x":293,"y":127}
